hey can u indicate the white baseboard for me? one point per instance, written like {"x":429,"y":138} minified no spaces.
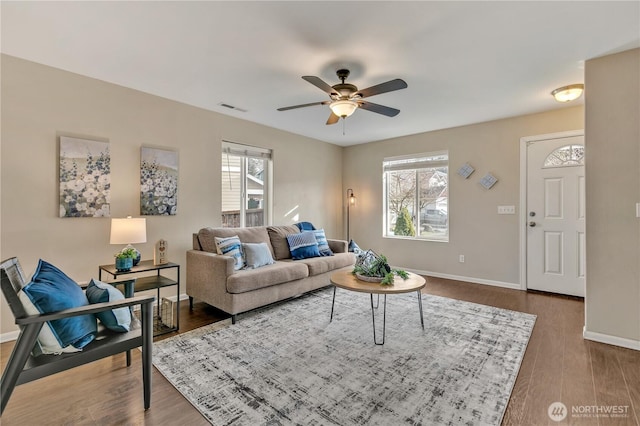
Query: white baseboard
{"x":611,"y":340}
{"x":513,"y":286}
{"x":9,"y":336}
{"x":13,"y":335}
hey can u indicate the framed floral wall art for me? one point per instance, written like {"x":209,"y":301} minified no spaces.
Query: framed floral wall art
{"x":85,"y":178}
{"x":158,"y":182}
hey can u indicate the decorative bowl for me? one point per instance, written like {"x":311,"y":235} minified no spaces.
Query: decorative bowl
{"x":369,"y":279}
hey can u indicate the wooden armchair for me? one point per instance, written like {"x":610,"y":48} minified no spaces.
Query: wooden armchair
{"x":23,"y":367}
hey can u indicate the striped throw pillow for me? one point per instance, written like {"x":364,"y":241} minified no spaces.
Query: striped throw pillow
{"x":231,"y":246}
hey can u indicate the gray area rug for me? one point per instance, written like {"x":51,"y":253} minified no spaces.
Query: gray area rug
{"x":287,"y":364}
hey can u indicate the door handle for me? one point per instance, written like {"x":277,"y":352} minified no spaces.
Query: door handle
{"x":532,"y":224}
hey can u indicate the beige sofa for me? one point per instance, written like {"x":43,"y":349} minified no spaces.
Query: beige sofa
{"x":211,"y":277}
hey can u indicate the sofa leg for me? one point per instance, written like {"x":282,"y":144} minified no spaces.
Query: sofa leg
{"x":233,"y":319}
{"x":190,"y":303}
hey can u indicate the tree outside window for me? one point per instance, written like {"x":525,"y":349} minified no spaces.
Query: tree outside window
{"x":416,"y":197}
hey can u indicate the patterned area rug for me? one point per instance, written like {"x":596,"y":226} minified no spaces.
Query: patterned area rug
{"x":287,"y":364}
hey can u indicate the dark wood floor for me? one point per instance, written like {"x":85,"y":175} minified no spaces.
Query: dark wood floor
{"x":558,"y":366}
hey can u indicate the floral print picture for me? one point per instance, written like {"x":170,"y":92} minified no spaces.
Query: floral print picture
{"x":158,"y":182}
{"x":85,"y":178}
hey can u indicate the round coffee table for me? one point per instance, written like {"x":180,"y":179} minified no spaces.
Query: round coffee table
{"x":348,"y":281}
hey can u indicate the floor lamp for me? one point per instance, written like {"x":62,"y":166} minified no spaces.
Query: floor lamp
{"x":351,"y":201}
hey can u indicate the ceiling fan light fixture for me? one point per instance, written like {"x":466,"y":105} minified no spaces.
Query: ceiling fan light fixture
{"x":343,"y":108}
{"x":568,"y":93}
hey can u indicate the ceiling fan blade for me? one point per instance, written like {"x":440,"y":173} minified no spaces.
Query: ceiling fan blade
{"x":333,"y":119}
{"x":320,"y":84}
{"x":303,"y":105}
{"x":389,"y":86}
{"x":380,"y":109}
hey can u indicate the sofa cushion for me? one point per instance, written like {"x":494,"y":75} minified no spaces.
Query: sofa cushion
{"x":258,"y":234}
{"x":278,"y":238}
{"x":278,"y":273}
{"x":320,"y":265}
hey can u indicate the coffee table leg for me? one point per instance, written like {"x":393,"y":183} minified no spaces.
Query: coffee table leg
{"x":333,"y":303}
{"x":384,"y":320}
{"x":420,"y":306}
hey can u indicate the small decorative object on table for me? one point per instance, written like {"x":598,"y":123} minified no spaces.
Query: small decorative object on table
{"x":124,"y":259}
{"x":160,"y":253}
{"x":373,"y":267}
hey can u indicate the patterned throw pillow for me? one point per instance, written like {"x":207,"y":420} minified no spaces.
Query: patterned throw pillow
{"x":231,"y":246}
{"x":118,"y":319}
{"x":323,"y":245}
{"x":303,"y":245}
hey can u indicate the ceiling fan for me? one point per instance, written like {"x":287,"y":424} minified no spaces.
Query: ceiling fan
{"x":346,"y":98}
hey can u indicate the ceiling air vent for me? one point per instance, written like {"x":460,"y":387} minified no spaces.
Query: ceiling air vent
{"x":222,"y":104}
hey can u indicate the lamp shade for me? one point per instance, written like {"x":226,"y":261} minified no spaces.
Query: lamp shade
{"x":343,"y":108}
{"x":128,"y":231}
{"x":568,"y":93}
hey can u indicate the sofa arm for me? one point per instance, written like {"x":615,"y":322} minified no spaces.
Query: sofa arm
{"x":338,"y":246}
{"x":207,"y":273}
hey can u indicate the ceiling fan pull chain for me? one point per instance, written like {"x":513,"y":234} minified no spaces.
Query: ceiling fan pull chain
{"x":343,"y":121}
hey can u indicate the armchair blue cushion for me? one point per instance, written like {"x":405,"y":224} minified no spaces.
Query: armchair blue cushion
{"x":118,"y":319}
{"x":50,"y":290}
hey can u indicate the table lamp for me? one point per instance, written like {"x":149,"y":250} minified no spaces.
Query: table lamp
{"x":129,"y":231}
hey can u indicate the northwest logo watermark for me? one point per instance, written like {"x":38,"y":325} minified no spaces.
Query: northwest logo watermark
{"x":557,"y":411}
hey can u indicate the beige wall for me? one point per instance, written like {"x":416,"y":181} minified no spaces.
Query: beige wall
{"x":612,"y":138}
{"x":39,"y":103}
{"x":489,"y":242}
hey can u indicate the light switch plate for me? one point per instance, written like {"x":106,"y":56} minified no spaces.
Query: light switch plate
{"x":506,"y":209}
{"x":637,"y":209}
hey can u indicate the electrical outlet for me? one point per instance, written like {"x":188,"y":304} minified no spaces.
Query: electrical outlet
{"x":461,"y":258}
{"x":506,"y":209}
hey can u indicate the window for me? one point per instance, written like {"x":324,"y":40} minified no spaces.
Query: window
{"x":565,"y":156}
{"x":245,"y":184}
{"x":416,"y":190}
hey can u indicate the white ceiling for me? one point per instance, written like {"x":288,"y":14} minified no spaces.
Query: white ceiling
{"x":464,"y":62}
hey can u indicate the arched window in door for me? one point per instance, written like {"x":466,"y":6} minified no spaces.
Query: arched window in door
{"x":565,"y":156}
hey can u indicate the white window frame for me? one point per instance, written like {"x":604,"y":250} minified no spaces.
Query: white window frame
{"x":413,"y":162}
{"x":248,"y":151}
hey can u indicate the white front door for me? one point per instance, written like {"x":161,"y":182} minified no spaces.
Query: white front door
{"x":556,"y":215}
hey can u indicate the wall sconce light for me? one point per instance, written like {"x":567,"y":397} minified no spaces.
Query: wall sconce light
{"x":351,"y":202}
{"x":568,"y":93}
{"x":129,"y":231}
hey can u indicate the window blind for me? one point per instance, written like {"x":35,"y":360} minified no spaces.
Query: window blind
{"x":416,"y":161}
{"x":241,"y":150}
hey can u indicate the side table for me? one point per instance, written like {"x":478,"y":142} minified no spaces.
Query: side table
{"x":151,"y":282}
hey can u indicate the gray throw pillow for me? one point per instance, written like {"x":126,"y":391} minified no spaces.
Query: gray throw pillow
{"x":257,"y":255}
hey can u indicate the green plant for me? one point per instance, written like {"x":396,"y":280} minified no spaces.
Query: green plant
{"x":376,"y":265}
{"x":404,"y":224}
{"x":126,"y":253}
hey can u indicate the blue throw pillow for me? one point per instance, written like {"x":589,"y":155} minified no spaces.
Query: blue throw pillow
{"x":118,"y":319}
{"x":305,"y":226}
{"x":257,"y":255}
{"x":303,"y":245}
{"x":50,"y":290}
{"x":231,"y":246}
{"x":323,"y":245}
